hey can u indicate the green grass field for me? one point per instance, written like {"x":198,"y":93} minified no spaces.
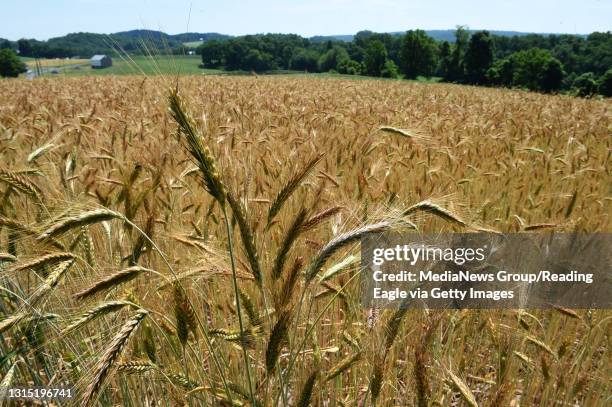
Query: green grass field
{"x":167,"y":65}
{"x":134,"y":65}
{"x":159,"y":64}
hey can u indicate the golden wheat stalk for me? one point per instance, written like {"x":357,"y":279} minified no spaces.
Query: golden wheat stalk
{"x":184,"y":314}
{"x":233,"y":335}
{"x":51,"y":281}
{"x":12,"y":320}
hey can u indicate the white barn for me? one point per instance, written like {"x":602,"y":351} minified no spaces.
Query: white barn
{"x":101,"y":61}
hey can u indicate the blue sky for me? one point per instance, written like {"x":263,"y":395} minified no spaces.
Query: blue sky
{"x":43,"y":19}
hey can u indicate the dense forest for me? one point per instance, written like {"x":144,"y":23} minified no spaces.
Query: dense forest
{"x":547,"y":63}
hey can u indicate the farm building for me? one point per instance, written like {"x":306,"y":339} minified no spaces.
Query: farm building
{"x":101,"y":61}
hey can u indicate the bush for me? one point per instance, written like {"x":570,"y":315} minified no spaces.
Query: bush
{"x":390,"y":70}
{"x":10,"y":64}
{"x":349,"y":67}
{"x":500,"y":73}
{"x":585,"y":84}
{"x":305,"y":60}
{"x":605,"y":83}
{"x":332,"y":59}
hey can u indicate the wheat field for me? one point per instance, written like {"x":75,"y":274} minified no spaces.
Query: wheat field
{"x":195,"y":241}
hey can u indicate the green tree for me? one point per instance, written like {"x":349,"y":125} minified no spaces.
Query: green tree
{"x":605,"y":83}
{"x":375,"y":58}
{"x":10,"y":64}
{"x":418,"y":54}
{"x":305,"y":60}
{"x":552,"y":75}
{"x":444,"y":54}
{"x":235,"y":51}
{"x":258,"y":61}
{"x":25,"y":48}
{"x":212,"y":53}
{"x":332,"y":59}
{"x":585,"y":84}
{"x":500,"y":73}
{"x":535,"y":69}
{"x":479,"y":57}
{"x":456,"y":66}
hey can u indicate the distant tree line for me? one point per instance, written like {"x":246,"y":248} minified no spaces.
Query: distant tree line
{"x":545,"y":63}
{"x":87,"y":44}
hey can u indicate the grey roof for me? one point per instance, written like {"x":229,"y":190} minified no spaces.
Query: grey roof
{"x":97,"y":57}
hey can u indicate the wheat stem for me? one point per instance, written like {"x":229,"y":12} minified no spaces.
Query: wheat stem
{"x":230,"y":247}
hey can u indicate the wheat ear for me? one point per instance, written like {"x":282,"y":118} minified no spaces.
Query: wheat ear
{"x":343,"y":366}
{"x":96,"y":312}
{"x":307,"y":390}
{"x":317,"y":218}
{"x":435,"y":209}
{"x":277,"y":338}
{"x":113,"y":280}
{"x":290,"y":187}
{"x":46,"y":260}
{"x":111,"y":355}
{"x":21,"y":184}
{"x":24,"y":230}
{"x":201,"y":153}
{"x":291,"y":236}
{"x":82,"y":219}
{"x":463,"y":388}
{"x":341,"y":241}
{"x":7,"y":381}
